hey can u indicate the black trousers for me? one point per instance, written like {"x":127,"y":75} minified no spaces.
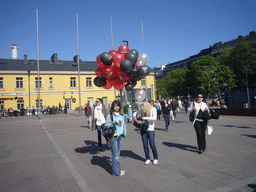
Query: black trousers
{"x":200,"y":128}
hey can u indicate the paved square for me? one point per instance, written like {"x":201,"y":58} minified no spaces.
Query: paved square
{"x":59,"y":153}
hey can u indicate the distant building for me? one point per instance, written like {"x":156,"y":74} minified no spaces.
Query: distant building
{"x":216,"y":48}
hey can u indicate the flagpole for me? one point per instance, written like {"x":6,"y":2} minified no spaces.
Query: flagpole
{"x":38,"y":69}
{"x":112,"y":46}
{"x":144,"y":52}
{"x":78,"y":65}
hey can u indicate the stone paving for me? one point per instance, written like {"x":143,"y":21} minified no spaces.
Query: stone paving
{"x":59,"y":153}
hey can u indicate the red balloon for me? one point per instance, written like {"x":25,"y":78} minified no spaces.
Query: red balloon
{"x":98,"y":72}
{"x":113,"y":52}
{"x":108,"y":85}
{"x":108,"y":73}
{"x":118,"y":58}
{"x":119,"y":86}
{"x":126,"y":77}
{"x":124,"y":49}
{"x":99,"y":61}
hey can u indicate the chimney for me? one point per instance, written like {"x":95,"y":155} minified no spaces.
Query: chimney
{"x":25,"y":59}
{"x":14,"y":51}
{"x":54,"y":58}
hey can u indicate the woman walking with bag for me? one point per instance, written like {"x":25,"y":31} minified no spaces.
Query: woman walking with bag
{"x":117,"y":118}
{"x":149,"y":134}
{"x":201,"y":110}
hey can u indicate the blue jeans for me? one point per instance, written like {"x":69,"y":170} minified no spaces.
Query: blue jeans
{"x":115,"y":146}
{"x":167,"y":120}
{"x":174,"y":113}
{"x":149,"y":136}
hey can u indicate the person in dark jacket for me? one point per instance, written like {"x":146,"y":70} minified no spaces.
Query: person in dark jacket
{"x":166,"y":108}
{"x":174,"y":105}
{"x":186,"y":105}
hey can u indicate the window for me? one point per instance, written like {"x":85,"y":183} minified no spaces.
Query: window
{"x":41,"y":103}
{"x":105,"y":101}
{"x":72,"y":82}
{"x":88,"y":82}
{"x":90,"y":101}
{"x":20,"y":104}
{"x":1,"y":83}
{"x":50,"y":82}
{"x":143,"y":82}
{"x":40,"y":82}
{"x":19,"y":82}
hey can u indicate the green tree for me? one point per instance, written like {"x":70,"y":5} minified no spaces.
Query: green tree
{"x":242,"y":60}
{"x":174,"y":83}
{"x":208,"y":76}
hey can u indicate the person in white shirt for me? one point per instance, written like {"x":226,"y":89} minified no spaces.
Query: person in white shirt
{"x":200,"y":124}
{"x":99,"y":120}
{"x":149,"y":134}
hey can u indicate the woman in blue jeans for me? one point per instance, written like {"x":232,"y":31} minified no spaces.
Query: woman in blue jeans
{"x":115,"y":142}
{"x":149,"y":135}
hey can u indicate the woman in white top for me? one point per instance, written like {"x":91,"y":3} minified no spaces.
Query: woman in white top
{"x":149,"y":135}
{"x":200,"y":124}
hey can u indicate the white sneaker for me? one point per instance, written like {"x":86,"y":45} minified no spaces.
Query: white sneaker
{"x":122,"y":173}
{"x":147,"y":161}
{"x":155,"y":161}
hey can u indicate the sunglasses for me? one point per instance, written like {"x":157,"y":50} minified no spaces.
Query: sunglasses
{"x":199,"y":97}
{"x":97,"y":101}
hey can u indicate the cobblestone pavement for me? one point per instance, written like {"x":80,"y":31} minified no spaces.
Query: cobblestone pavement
{"x":59,"y":153}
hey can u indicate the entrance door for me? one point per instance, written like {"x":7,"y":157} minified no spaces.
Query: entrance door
{"x":68,"y":103}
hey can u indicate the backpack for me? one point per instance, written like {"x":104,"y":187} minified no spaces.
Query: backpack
{"x":108,"y":130}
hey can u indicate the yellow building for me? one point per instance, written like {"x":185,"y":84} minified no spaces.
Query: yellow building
{"x":58,"y":84}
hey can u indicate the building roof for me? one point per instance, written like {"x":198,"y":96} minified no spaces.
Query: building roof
{"x":46,"y":65}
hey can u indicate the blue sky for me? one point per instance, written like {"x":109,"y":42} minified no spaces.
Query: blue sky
{"x":173,"y":29}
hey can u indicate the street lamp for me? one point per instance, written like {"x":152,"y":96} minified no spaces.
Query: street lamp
{"x":126,"y":42}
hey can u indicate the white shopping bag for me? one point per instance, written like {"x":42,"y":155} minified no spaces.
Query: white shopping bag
{"x":209,"y":129}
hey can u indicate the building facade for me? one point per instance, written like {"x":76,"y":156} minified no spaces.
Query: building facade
{"x":57,"y":84}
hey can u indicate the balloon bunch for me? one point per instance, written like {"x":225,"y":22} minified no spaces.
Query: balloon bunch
{"x":121,"y":69}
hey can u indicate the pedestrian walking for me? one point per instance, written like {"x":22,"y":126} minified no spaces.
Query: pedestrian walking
{"x":117,"y":118}
{"x":149,"y":135}
{"x":99,"y":120}
{"x":159,"y":108}
{"x":186,"y":105}
{"x":174,"y":105}
{"x":201,"y":111}
{"x":88,"y":114}
{"x":166,"y":108}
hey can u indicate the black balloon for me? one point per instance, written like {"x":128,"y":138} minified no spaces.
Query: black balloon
{"x":99,"y":82}
{"x":134,"y":51}
{"x":137,"y":77}
{"x":128,"y":87}
{"x":132,"y":57}
{"x":106,"y":58}
{"x":144,"y":70}
{"x":126,"y":66}
{"x":133,"y":71}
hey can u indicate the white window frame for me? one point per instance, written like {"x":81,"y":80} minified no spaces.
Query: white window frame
{"x":88,"y":82}
{"x":20,"y":104}
{"x":143,"y":82}
{"x":1,"y":82}
{"x":50,"y":83}
{"x":36,"y":82}
{"x":90,"y":101}
{"x":72,"y":82}
{"x":19,"y":82}
{"x":41,"y":103}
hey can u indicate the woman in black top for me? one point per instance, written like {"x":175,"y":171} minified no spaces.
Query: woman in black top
{"x":166,"y":108}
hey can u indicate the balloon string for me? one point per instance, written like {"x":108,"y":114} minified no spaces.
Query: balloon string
{"x":111,"y":33}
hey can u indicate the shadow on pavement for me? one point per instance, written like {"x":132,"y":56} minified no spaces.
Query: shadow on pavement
{"x":252,"y":186}
{"x":240,"y":127}
{"x":91,"y":147}
{"x":252,"y":136}
{"x":128,"y":153}
{"x":103,"y":162}
{"x":182,"y":146}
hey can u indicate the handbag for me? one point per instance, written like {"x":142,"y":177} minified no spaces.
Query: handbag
{"x":192,"y":116}
{"x":214,"y":115}
{"x":209,"y":129}
{"x":108,"y":130}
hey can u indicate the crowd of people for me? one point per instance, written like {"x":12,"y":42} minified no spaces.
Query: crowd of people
{"x":143,"y":116}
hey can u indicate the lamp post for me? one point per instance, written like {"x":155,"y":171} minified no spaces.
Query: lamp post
{"x":126,"y":42}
